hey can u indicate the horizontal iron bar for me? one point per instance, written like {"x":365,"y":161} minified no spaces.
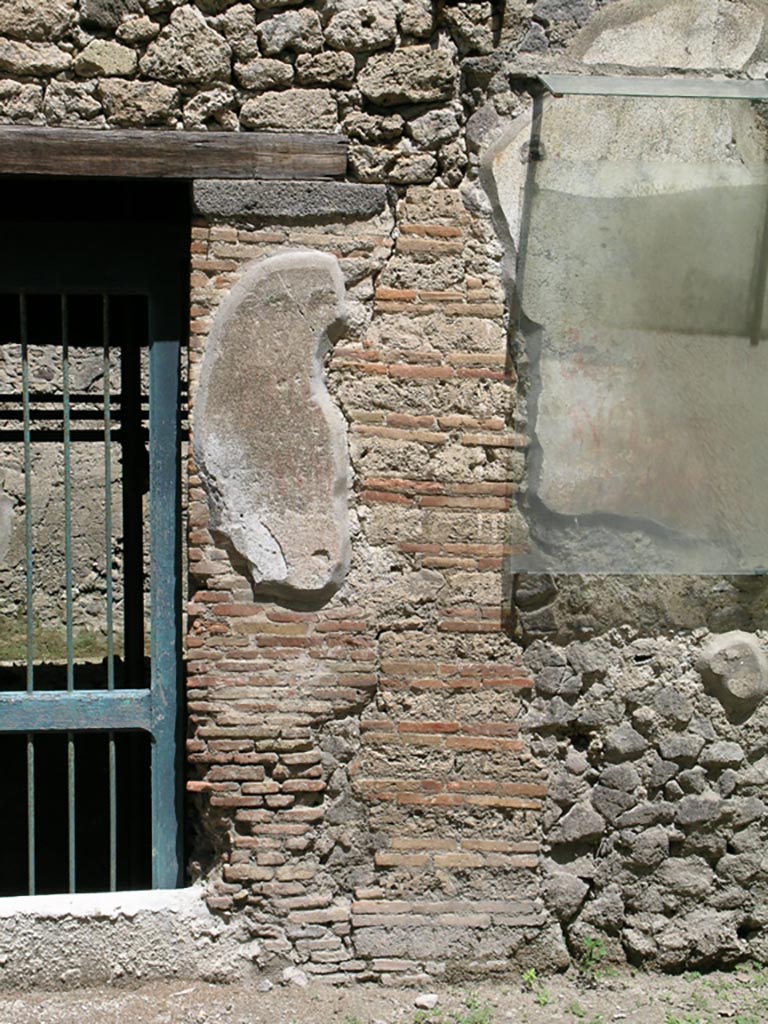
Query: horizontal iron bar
{"x":51,"y":411}
{"x":84,"y":434}
{"x":75,"y":710}
{"x":50,"y":398}
{"x":635,"y":85}
{"x":56,"y":415}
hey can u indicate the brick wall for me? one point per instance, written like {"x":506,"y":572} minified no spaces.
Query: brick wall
{"x":360,"y":767}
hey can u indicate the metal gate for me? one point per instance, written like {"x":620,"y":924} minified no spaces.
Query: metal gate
{"x":89,"y":665}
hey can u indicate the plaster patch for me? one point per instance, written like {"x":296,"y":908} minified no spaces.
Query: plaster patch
{"x":680,"y":34}
{"x":55,"y":941}
{"x":636,"y":230}
{"x":269,"y":442}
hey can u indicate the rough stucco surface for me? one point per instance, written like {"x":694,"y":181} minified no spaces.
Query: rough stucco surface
{"x":637,"y":281}
{"x":699,"y":34}
{"x":270,"y":443}
{"x":118,"y":937}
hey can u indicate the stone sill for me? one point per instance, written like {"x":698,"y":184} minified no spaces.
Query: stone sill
{"x":104,"y":904}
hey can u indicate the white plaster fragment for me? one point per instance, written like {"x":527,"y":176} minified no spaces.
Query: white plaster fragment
{"x":269,"y":441}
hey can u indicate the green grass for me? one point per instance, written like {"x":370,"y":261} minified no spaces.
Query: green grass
{"x":532,"y":984}
{"x":592,"y":955}
{"x":472,"y":1012}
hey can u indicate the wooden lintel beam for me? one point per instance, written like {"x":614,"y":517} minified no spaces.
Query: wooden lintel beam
{"x":128,"y":153}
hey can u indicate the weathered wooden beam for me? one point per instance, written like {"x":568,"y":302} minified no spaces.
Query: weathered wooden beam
{"x":127,"y":153}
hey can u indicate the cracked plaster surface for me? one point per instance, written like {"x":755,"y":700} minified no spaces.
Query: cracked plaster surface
{"x":269,"y":441}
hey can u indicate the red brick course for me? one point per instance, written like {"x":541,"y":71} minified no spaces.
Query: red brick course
{"x":405,"y":702}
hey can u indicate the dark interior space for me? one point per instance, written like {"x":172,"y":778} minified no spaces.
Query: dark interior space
{"x":92,"y":814}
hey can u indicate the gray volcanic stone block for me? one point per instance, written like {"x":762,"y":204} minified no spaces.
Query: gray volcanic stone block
{"x":564,"y":894}
{"x":137,"y":104}
{"x":39,"y":20}
{"x":683,"y":747}
{"x":689,"y":877}
{"x":264,"y":73}
{"x":580,"y":825}
{"x":107,"y":14}
{"x":551,"y":682}
{"x":697,"y":810}
{"x":295,"y":201}
{"x":415,"y":74}
{"x":723,"y":755}
{"x":269,"y":442}
{"x":299,"y":31}
{"x":106,"y":58}
{"x":624,"y":744}
{"x":32,"y":58}
{"x":620,"y":776}
{"x":735,"y":669}
{"x":550,"y":11}
{"x":326,"y":68}
{"x":673,"y":706}
{"x":20,"y":102}
{"x":297,"y":110}
{"x":187,"y":50}
{"x":611,"y":803}
{"x":650,"y":848}
{"x":360,"y":28}
{"x":534,"y":590}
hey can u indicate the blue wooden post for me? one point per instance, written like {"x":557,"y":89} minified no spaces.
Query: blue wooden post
{"x":164,"y":471}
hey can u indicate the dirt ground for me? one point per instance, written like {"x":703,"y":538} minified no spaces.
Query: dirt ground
{"x":737,"y":997}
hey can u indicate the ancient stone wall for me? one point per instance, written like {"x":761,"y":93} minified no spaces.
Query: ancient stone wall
{"x":366,"y":753}
{"x":420,"y":766}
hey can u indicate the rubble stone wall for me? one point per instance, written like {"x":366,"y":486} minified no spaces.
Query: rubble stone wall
{"x":437,"y":770}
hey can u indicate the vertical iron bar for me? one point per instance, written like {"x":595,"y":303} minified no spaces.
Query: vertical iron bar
{"x":31,"y":814}
{"x":112,"y":814}
{"x":68,"y":582}
{"x":109,"y":596}
{"x":67,"y":492}
{"x":134,"y":487}
{"x":27,"y":488}
{"x":71,"y":808}
{"x":29,"y":568}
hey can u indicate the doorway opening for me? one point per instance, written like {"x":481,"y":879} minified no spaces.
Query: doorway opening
{"x":92,"y":397}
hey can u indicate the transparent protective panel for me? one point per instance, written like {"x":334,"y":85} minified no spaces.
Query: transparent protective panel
{"x":642,"y":273}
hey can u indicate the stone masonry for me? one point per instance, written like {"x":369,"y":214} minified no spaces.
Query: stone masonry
{"x":428,"y":768}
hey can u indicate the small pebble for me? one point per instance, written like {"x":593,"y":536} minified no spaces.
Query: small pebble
{"x":427,"y":1001}
{"x":295,"y":976}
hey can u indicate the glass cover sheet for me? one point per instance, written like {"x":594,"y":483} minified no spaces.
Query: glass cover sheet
{"x":642,"y":271}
